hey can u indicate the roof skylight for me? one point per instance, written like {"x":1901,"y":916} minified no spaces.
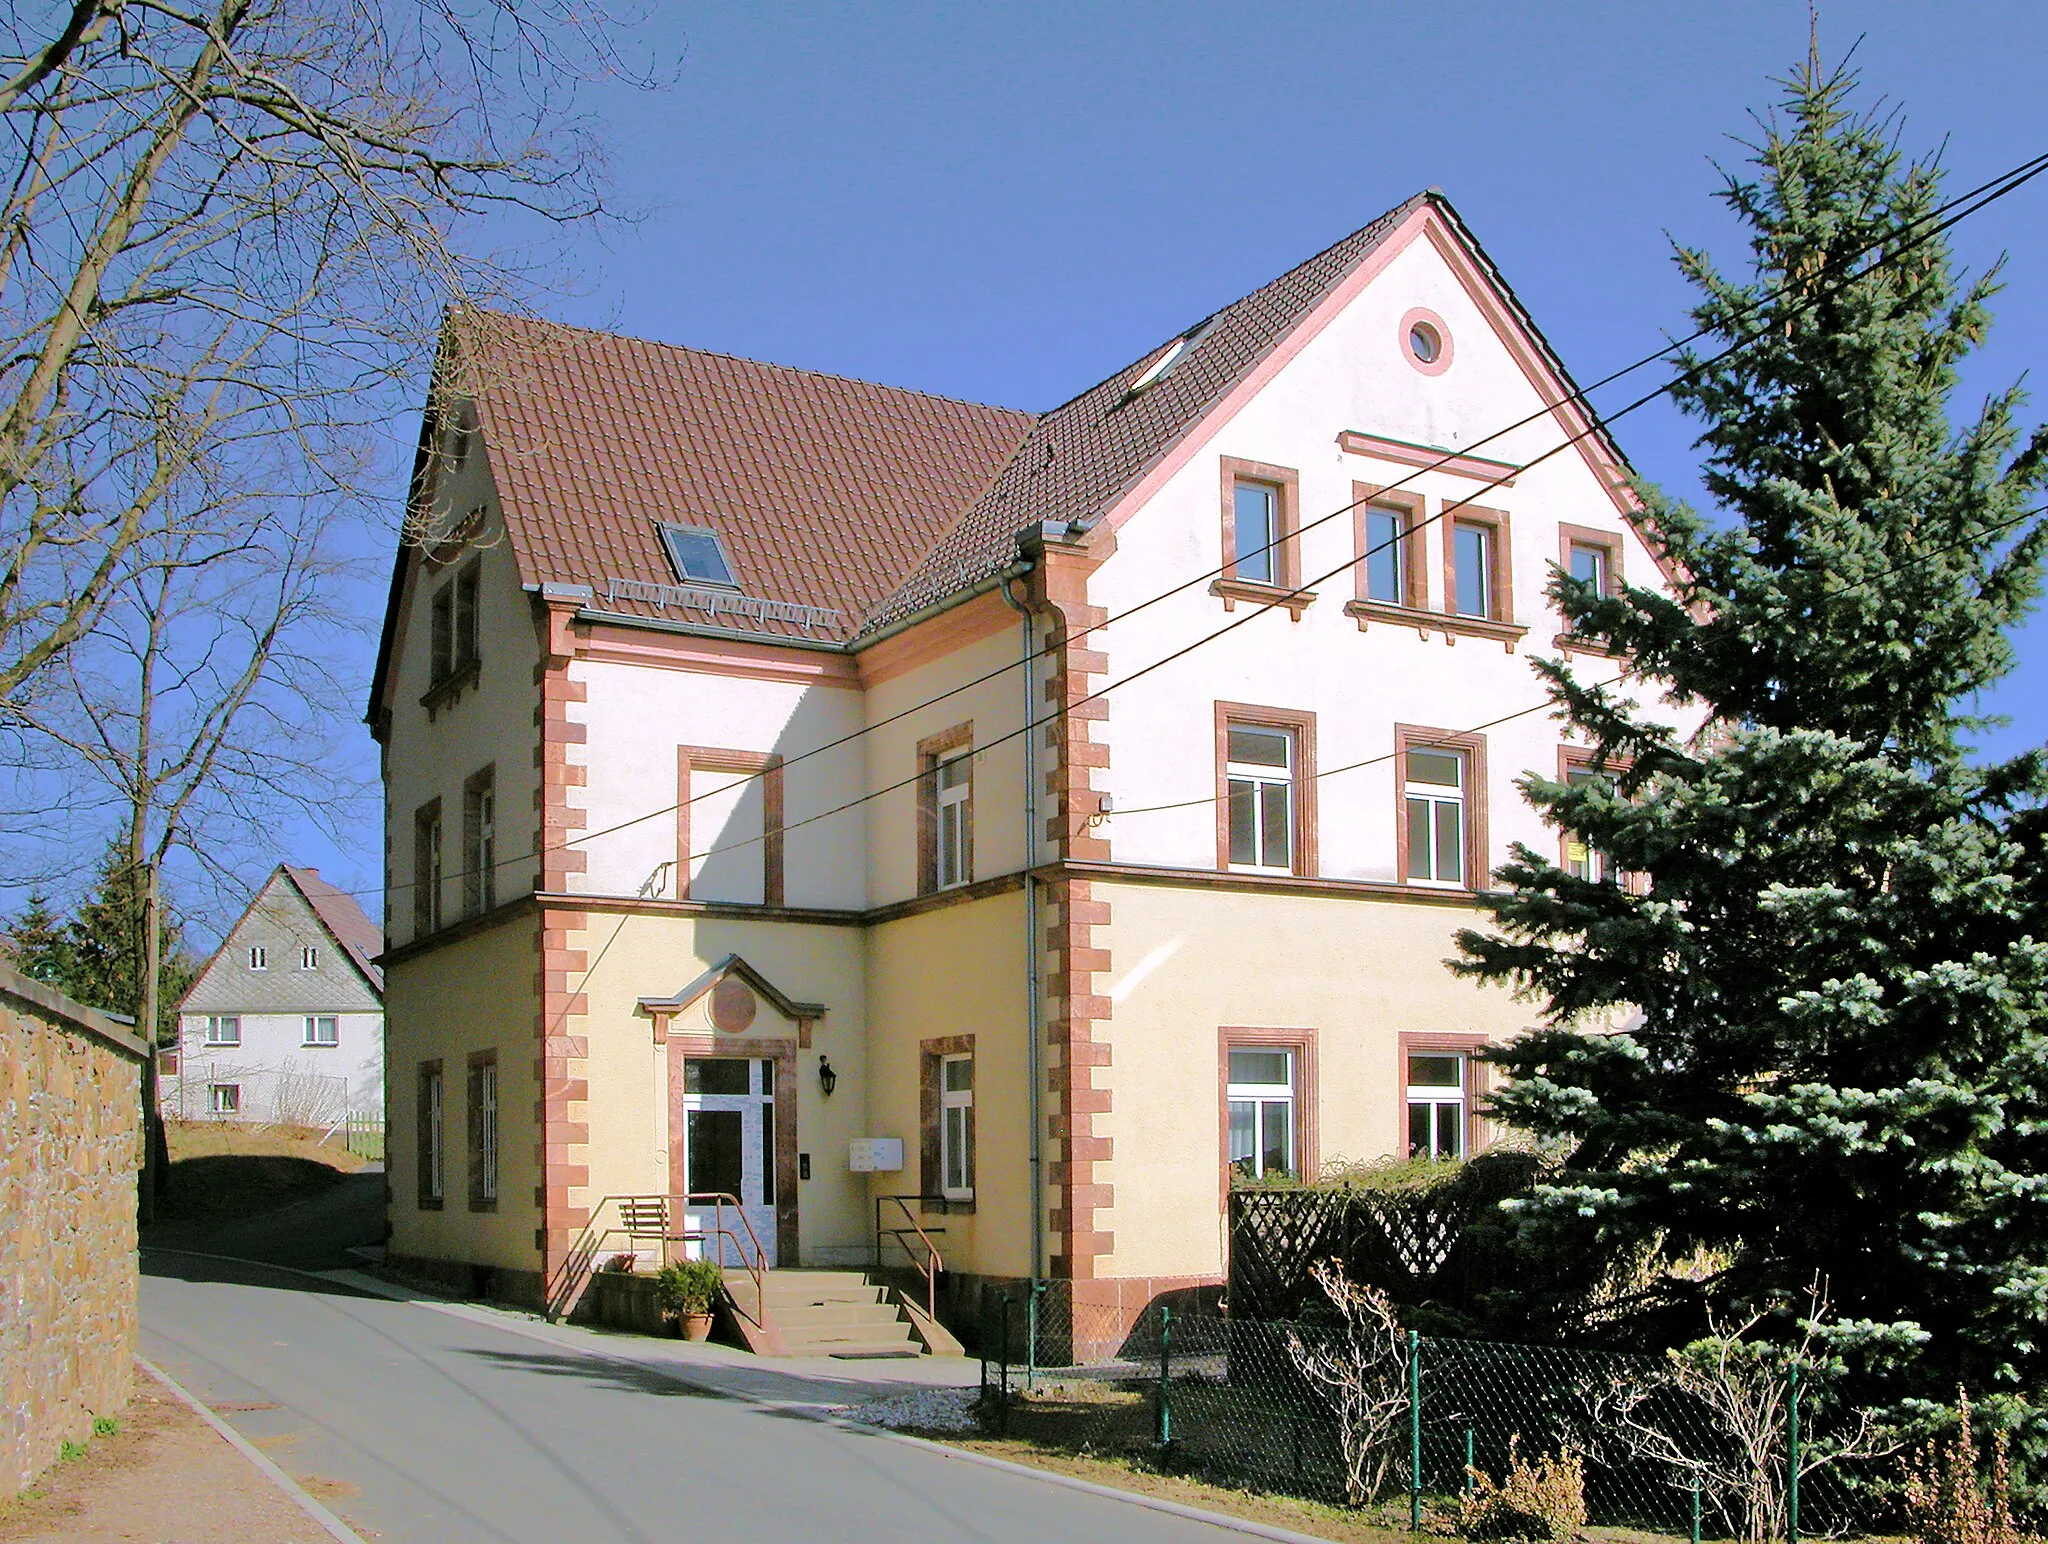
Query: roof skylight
{"x":1176,"y":351}
{"x":698,"y":555}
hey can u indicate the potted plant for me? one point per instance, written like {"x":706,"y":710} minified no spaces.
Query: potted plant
{"x":686,"y":1289}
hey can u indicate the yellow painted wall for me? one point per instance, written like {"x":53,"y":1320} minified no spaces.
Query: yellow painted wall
{"x":957,"y":971}
{"x":636,"y":956}
{"x":1185,"y":963}
{"x":472,"y":994}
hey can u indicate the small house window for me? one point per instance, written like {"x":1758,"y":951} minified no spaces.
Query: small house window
{"x":167,"y":1062}
{"x":433,"y":1160}
{"x":224,"y":1098}
{"x":224,"y":1030}
{"x":1260,"y":1095}
{"x":956,"y":1127}
{"x":426,"y":868}
{"x":956,"y":814}
{"x":697,"y":555}
{"x":309,"y":958}
{"x":483,"y":1131}
{"x":1581,"y":859}
{"x":1260,"y":774}
{"x":1386,"y":576}
{"x":1472,"y":569}
{"x":1589,"y":565}
{"x":1435,"y":797}
{"x":1436,"y":1105}
{"x":259,"y":957}
{"x":1257,"y":529}
{"x":322,"y":1029}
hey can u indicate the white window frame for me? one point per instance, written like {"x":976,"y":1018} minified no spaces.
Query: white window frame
{"x":1255,"y":779}
{"x":1488,"y":535}
{"x":1582,"y":860}
{"x":1379,"y":549}
{"x":1255,"y":1099}
{"x":487,"y":1131}
{"x":1259,"y":561}
{"x":1603,"y":563}
{"x":1437,"y":1097}
{"x":1434,"y":797}
{"x":259,"y":957}
{"x":956,"y":1129}
{"x":309,"y":957}
{"x":314,"y":1021}
{"x":223,"y":1029}
{"x":230,"y":1105}
{"x":953,"y":838}
{"x":435,"y":1088}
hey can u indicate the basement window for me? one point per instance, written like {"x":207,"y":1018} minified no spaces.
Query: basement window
{"x":698,"y":555}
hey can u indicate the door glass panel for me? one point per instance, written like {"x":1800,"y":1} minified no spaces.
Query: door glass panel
{"x":715,"y":1138}
{"x":716,"y":1075}
{"x":767,"y":1150}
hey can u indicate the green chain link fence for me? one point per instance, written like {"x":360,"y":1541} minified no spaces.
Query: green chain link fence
{"x":1304,"y":1409}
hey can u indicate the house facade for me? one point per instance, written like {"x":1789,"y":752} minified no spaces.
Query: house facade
{"x":888,"y":809}
{"x":285,"y":1024}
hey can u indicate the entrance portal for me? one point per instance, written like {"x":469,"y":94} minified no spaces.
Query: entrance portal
{"x":729,"y":1148}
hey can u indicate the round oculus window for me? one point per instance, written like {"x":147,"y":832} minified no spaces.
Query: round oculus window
{"x":1425,"y":343}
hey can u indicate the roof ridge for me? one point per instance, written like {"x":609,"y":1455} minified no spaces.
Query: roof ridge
{"x":608,"y":335}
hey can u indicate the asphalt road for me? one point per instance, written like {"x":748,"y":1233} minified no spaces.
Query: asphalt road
{"x":429,"y":1428}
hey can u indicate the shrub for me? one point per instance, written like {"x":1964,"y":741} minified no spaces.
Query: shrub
{"x":1541,"y":1500}
{"x":688,"y":1286}
{"x":1945,"y":1504}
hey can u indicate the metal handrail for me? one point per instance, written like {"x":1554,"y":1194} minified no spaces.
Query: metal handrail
{"x":578,"y":1265}
{"x":933,"y":1263}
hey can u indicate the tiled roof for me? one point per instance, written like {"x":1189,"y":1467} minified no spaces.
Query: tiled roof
{"x":1079,"y":457}
{"x":345,"y":919}
{"x":825,"y":490}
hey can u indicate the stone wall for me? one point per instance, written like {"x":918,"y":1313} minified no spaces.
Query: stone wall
{"x":70,"y":1148}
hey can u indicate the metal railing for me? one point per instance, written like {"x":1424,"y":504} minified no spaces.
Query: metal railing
{"x":932,"y":1263}
{"x":639,"y":1219}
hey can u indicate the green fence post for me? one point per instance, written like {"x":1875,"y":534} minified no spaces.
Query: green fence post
{"x":1003,"y":1301}
{"x":1792,"y":1461}
{"x":1415,"y":1431}
{"x":1469,"y":1464}
{"x":983,"y":1337}
{"x":1695,"y":1509}
{"x":1165,"y":1376}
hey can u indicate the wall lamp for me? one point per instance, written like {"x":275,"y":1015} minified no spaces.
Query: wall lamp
{"x":827,"y":1078}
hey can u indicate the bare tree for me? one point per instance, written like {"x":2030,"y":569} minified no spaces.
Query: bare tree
{"x":1361,"y":1371}
{"x":229,"y":232}
{"x":1744,"y":1387}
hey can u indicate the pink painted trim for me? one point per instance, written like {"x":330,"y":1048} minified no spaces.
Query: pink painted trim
{"x":1283,"y":354}
{"x":1422,"y":315}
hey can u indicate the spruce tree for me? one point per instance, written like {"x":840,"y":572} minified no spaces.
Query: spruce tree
{"x":1824,"y":937}
{"x":95,"y":956}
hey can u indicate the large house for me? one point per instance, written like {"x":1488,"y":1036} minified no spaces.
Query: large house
{"x":285,"y":1024}
{"x":722,"y":858}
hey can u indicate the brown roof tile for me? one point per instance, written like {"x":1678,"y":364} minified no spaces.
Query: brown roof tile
{"x":825,"y":490}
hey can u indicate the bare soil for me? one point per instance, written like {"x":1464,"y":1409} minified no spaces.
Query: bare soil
{"x":165,"y":1476}
{"x":221,"y":1172}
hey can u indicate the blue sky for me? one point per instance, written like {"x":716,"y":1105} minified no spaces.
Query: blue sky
{"x":1006,"y":203}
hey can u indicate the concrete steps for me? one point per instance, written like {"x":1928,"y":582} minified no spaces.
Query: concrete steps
{"x":831,"y":1313}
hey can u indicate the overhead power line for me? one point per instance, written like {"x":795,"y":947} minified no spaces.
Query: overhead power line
{"x":1889,"y":249}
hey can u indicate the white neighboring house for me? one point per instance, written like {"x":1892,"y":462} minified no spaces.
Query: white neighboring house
{"x":286,"y":1022}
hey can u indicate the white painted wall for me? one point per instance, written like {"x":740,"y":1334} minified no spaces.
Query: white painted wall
{"x":280,"y":1076}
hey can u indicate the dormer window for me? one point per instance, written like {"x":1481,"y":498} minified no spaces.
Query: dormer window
{"x":698,"y":555}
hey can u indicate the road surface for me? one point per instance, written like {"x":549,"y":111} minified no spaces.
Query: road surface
{"x":425,"y":1427}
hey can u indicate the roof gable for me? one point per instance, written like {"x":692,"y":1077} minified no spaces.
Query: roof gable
{"x":295,"y":907}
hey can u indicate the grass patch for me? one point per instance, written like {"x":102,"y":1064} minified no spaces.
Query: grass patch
{"x":221,"y":1172}
{"x":105,"y":1426}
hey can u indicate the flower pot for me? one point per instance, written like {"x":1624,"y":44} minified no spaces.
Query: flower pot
{"x":695,"y":1326}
